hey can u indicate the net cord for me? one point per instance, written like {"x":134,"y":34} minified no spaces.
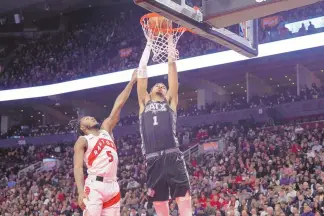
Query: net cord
{"x":164,"y":39}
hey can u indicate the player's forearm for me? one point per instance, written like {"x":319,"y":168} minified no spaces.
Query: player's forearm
{"x":172,"y":57}
{"x":124,"y":95}
{"x":173,"y":78}
{"x":172,"y":67}
{"x":142,"y":68}
{"x":144,"y":60}
{"x":79,"y":179}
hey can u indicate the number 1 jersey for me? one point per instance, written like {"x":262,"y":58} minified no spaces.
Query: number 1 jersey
{"x":101,"y":155}
{"x":158,"y":127}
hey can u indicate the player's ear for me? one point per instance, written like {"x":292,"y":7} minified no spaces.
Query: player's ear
{"x":82,"y":127}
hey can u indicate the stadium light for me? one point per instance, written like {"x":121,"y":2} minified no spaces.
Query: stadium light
{"x":268,"y":49}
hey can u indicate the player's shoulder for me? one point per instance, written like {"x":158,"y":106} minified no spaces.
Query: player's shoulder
{"x":81,"y":139}
{"x":104,"y":132}
{"x":81,"y":142}
{"x":88,"y":137}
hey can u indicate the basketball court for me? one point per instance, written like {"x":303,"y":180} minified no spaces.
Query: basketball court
{"x":212,"y":19}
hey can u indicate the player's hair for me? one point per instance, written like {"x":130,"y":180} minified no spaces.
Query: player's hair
{"x":76,"y":124}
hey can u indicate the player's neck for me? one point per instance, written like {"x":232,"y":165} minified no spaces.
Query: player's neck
{"x":157,"y":98}
{"x":94,"y":132}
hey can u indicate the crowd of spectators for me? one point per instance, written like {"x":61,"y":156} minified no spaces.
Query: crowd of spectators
{"x":112,"y":41}
{"x":235,"y":103}
{"x":274,"y":171}
{"x":261,"y":171}
{"x":239,"y":102}
{"x":280,"y":96}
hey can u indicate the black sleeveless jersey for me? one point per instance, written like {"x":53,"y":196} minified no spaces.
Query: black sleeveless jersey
{"x":158,"y":127}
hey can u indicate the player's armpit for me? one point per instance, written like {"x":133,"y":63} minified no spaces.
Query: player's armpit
{"x":142,"y":102}
{"x":110,"y":122}
{"x":79,"y":147}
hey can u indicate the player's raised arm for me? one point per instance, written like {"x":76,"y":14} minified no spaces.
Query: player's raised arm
{"x":110,"y":122}
{"x":142,"y":77}
{"x":78,"y":169}
{"x":173,"y":83}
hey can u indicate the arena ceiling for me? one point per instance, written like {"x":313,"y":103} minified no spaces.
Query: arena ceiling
{"x":41,"y":8}
{"x":12,"y":5}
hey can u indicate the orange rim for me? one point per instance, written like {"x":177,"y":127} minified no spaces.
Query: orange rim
{"x":164,"y":30}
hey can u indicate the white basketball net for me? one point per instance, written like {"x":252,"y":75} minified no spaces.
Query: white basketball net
{"x":164,"y":38}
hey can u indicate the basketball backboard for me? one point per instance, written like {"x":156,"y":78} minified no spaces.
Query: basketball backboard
{"x":210,"y":21}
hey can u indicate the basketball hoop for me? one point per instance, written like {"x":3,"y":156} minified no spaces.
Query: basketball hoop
{"x":164,"y":35}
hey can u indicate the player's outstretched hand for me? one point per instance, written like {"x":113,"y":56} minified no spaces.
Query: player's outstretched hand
{"x":82,"y":197}
{"x":134,"y":76}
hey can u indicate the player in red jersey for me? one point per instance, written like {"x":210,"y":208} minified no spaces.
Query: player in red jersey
{"x":99,"y":194}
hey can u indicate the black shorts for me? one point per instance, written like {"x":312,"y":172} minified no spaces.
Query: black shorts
{"x":167,"y":175}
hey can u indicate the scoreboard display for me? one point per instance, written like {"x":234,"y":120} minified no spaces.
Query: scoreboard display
{"x":219,"y":7}
{"x":222,"y":13}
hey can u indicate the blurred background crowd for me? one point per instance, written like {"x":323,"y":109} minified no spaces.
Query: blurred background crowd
{"x":101,"y":45}
{"x":275,"y":170}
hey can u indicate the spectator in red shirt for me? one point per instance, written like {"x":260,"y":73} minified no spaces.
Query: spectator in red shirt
{"x":213,"y":195}
{"x":252,"y":181}
{"x":203,"y":200}
{"x":295,"y":148}
{"x":215,"y":202}
{"x":197,"y":173}
{"x":60,"y":196}
{"x":202,"y":134}
{"x":194,"y":162}
{"x":238,"y":179}
{"x":74,"y":204}
{"x":223,"y":200}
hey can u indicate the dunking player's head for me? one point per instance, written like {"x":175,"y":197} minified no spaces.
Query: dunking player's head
{"x":86,"y":125}
{"x":158,"y":91}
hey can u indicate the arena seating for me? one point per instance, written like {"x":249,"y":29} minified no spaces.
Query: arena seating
{"x":113,"y":41}
{"x":236,"y":103}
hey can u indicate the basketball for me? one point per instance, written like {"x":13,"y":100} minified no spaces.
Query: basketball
{"x":157,"y":23}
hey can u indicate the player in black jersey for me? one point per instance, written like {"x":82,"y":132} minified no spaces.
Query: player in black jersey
{"x":166,"y":170}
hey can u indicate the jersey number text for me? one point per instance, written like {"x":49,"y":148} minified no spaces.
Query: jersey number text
{"x":155,"y":121}
{"x":110,"y":156}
